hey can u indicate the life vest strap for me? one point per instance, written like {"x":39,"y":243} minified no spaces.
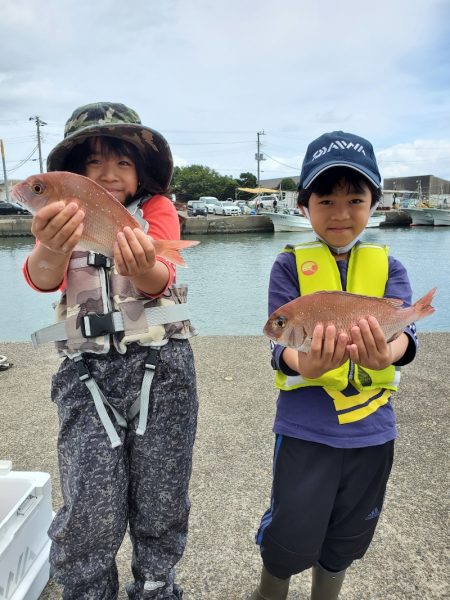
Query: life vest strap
{"x":92,"y":259}
{"x":139,"y":406}
{"x":99,"y":400}
{"x":94,"y":325}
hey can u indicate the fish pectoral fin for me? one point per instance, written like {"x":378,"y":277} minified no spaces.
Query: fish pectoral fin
{"x":305,"y":346}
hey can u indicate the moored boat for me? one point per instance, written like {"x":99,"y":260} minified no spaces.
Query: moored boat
{"x":420,"y":216}
{"x":294,"y":221}
{"x":288,"y":221}
{"x":441,"y":216}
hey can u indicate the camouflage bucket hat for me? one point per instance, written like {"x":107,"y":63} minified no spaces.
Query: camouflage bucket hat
{"x":117,"y":121}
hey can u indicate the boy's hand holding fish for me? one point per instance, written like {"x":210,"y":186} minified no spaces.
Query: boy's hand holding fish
{"x":330,"y":350}
{"x":369,"y":347}
{"x":327,"y":351}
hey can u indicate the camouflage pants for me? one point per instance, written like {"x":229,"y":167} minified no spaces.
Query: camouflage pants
{"x":142,"y":484}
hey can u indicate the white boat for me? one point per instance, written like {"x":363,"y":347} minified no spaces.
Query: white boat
{"x":288,"y":221}
{"x":294,"y":221}
{"x":441,"y":216}
{"x":420,"y":216}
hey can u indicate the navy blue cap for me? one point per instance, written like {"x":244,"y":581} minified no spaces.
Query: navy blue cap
{"x":339,"y":149}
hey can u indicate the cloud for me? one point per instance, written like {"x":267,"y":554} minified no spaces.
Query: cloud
{"x":210,"y":74}
{"x":421,"y":157}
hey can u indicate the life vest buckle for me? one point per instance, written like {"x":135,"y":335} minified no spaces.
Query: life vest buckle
{"x":95,"y":259}
{"x":95,"y":325}
{"x":83,"y":371}
{"x":152,"y":358}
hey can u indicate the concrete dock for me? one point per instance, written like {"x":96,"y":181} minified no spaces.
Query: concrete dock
{"x":21,"y":225}
{"x":231,"y":479}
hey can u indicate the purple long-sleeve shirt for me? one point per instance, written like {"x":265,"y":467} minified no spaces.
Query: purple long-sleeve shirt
{"x":309,"y":413}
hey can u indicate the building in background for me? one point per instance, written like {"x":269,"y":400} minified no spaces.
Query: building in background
{"x":427,"y":185}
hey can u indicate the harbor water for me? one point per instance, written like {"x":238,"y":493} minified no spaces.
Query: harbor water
{"x":228,"y":277}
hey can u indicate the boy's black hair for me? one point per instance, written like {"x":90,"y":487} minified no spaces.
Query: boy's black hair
{"x":334,"y":177}
{"x":75,"y":161}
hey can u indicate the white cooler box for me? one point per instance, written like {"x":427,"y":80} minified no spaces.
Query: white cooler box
{"x":25,"y":516}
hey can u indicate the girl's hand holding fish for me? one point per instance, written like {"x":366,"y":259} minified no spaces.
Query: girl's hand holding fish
{"x":135,"y":257}
{"x":59,"y":226}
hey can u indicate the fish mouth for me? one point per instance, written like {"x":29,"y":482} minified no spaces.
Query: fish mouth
{"x":18,"y":198}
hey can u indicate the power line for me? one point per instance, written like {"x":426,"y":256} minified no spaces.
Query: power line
{"x":209,"y":143}
{"x":24,"y":160}
{"x":280,"y":163}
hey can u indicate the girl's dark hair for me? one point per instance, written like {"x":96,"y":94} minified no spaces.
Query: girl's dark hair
{"x":75,"y":161}
{"x":337,"y":177}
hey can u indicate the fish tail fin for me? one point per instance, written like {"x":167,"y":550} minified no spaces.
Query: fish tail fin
{"x":423,"y":306}
{"x":170,"y":249}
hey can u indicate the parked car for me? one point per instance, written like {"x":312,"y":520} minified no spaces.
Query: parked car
{"x":211,"y":202}
{"x":227,"y":208}
{"x":10,"y":208}
{"x":197,"y":208}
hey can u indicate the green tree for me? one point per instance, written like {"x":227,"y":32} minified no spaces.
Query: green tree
{"x":246,"y":180}
{"x":288,"y":184}
{"x":189,"y":183}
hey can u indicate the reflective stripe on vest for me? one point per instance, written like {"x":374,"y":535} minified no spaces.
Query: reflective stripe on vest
{"x":317,"y":271}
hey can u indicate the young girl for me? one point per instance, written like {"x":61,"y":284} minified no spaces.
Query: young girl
{"x":334,"y":424}
{"x":126,"y":395}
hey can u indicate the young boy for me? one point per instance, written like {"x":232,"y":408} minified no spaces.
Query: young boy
{"x":334,"y":424}
{"x":126,"y":390}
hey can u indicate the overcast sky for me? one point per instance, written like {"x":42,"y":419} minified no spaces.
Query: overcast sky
{"x":210,"y":74}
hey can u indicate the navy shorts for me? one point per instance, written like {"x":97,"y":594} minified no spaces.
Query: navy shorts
{"x":325,"y":505}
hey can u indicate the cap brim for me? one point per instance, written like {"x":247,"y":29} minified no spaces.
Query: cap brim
{"x":151,"y":144}
{"x":370,"y":175}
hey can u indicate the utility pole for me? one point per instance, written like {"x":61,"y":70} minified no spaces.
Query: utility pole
{"x":259,"y":156}
{"x":39,"y":124}
{"x":5,"y":177}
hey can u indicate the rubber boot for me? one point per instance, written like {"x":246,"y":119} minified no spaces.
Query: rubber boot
{"x":326,"y":585}
{"x":270,"y":587}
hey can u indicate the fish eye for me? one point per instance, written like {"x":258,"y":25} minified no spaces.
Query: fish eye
{"x":38,"y":188}
{"x":280,"y":322}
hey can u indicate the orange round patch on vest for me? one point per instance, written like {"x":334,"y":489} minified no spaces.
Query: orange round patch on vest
{"x":309,"y":267}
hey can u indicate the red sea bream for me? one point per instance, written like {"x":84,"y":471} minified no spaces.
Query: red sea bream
{"x":104,"y":215}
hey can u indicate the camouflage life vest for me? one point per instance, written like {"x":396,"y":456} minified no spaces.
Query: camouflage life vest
{"x":100,"y":307}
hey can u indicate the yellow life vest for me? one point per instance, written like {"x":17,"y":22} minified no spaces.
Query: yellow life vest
{"x":367,"y":274}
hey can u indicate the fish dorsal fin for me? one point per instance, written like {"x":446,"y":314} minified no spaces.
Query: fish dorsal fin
{"x":395,"y":302}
